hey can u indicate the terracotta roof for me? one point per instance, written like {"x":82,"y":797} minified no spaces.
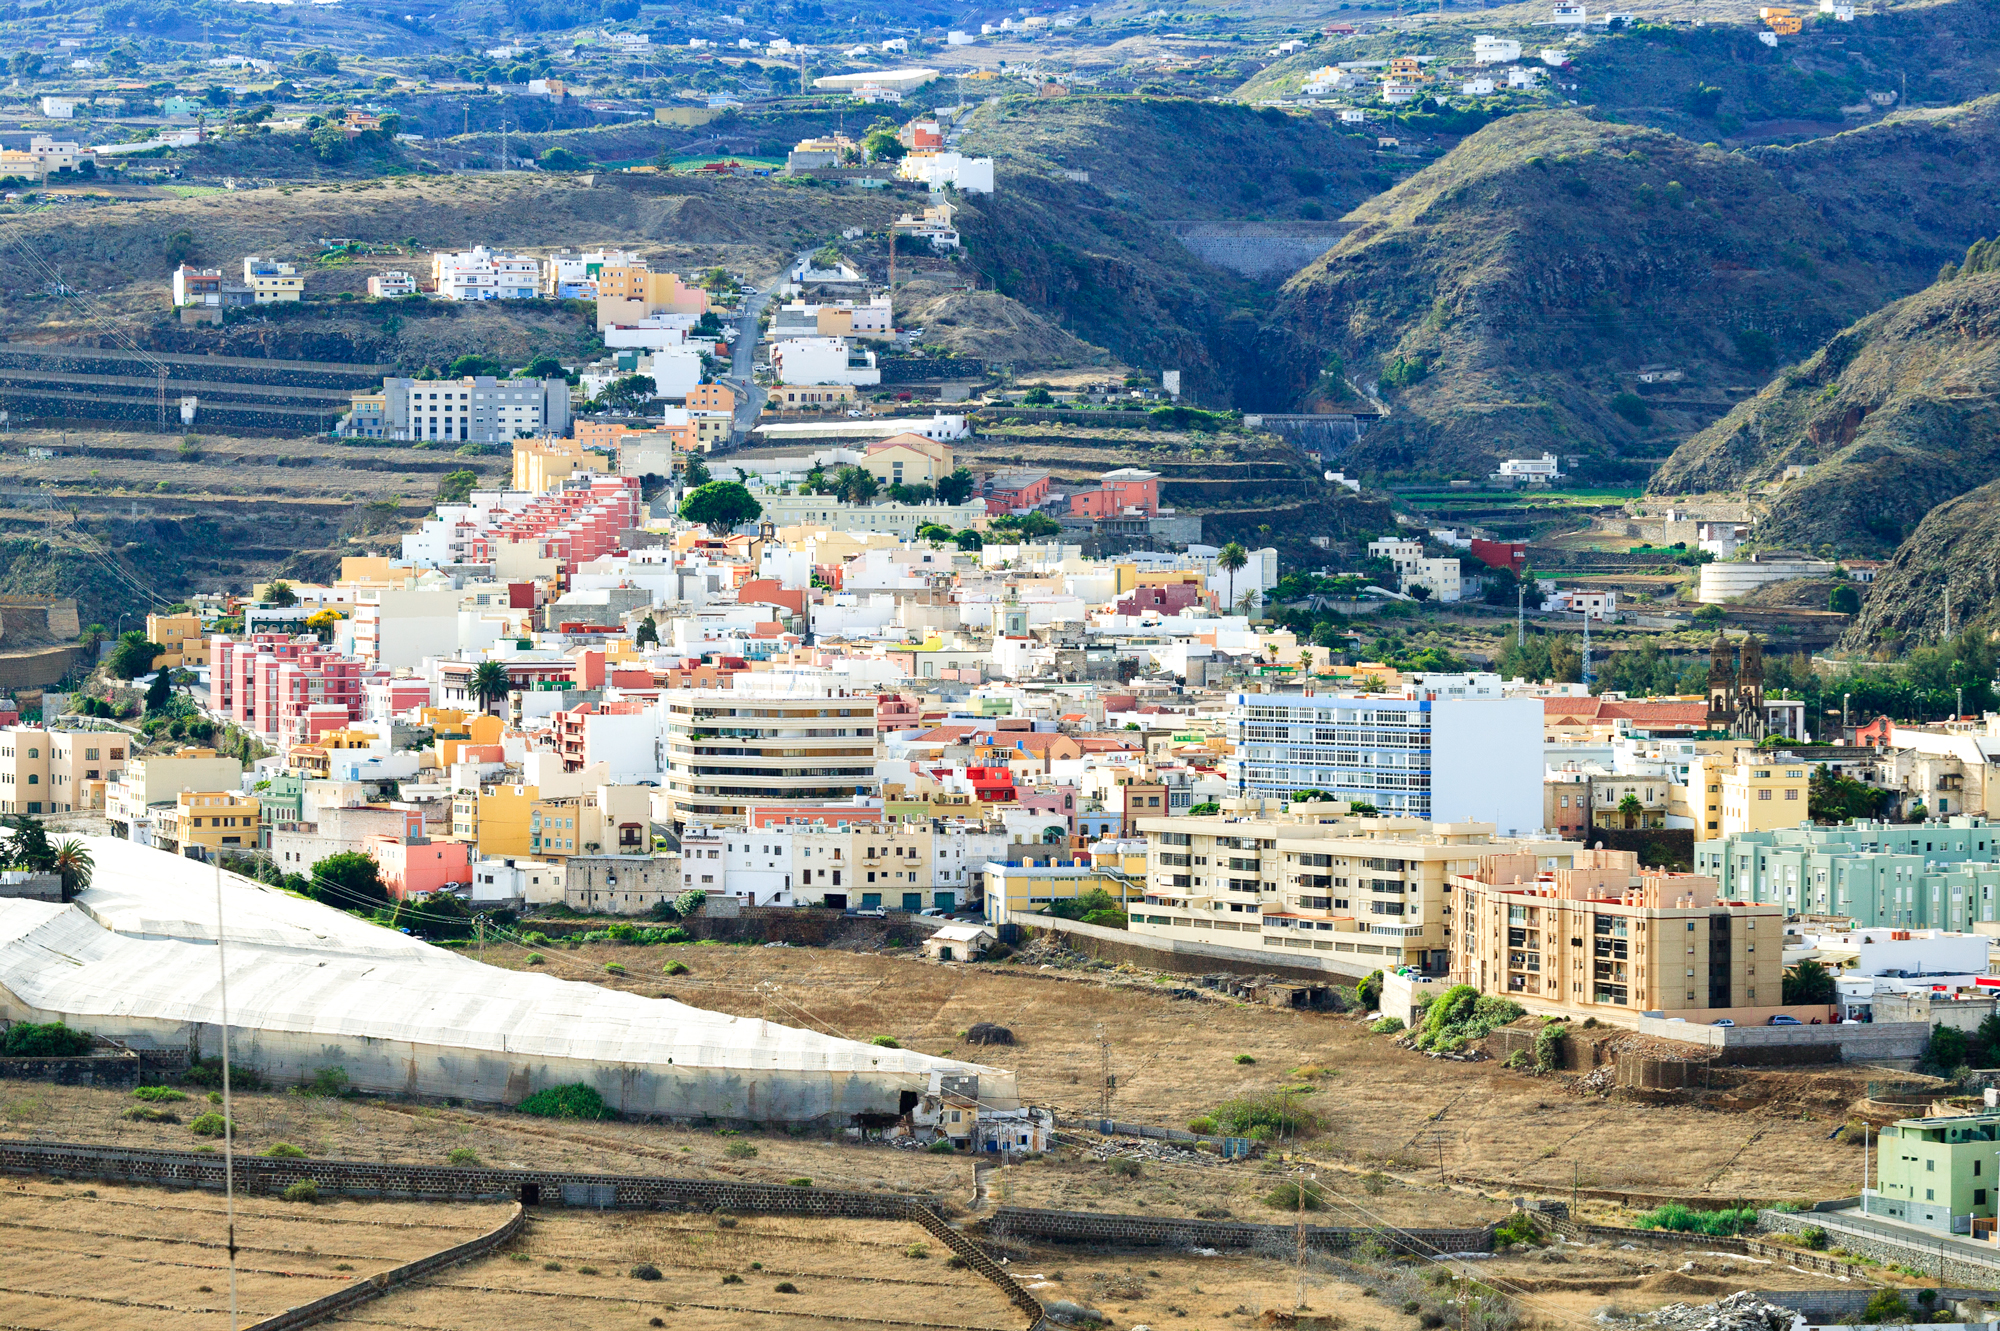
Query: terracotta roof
{"x":946,"y":734}
{"x":1601,"y":711}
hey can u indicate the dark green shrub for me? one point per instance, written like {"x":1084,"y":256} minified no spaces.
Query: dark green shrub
{"x":54,"y":1040}
{"x":1291,"y":1195}
{"x":209,"y":1125}
{"x":645,"y":1271}
{"x":284,"y":1151}
{"x":305,"y":1190}
{"x":1686,"y":1220}
{"x":148,"y":1114}
{"x":158,"y":1094}
{"x":572,"y":1101}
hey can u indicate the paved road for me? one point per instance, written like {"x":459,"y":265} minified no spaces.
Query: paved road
{"x":744,"y":355}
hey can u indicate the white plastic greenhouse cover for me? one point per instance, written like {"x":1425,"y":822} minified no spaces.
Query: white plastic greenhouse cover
{"x":138,"y":945}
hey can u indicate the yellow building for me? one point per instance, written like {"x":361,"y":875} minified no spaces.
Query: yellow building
{"x":1760,"y":793}
{"x":552,"y":828}
{"x":496,"y":820}
{"x":1025,"y":885}
{"x":456,"y":730}
{"x":315,"y":761}
{"x":57,"y":771}
{"x":908,"y":459}
{"x":213,"y":821}
{"x":540,"y":465}
{"x":181,"y":636}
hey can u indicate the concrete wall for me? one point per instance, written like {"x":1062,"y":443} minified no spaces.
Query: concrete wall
{"x":1850,"y":1042}
{"x":1187,"y":958}
{"x":1956,"y":1261}
{"x":1259,"y":249}
{"x":1149,"y":1231}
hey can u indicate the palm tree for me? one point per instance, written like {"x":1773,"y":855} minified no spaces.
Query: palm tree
{"x":74,"y":863}
{"x":1233,"y":557}
{"x":490,"y":683}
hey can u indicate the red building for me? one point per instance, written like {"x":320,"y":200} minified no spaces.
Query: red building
{"x":270,"y":683}
{"x":1168,"y":600}
{"x":991,"y":785}
{"x":1501,"y":554}
{"x":1124,"y":492}
{"x":1016,"y":490}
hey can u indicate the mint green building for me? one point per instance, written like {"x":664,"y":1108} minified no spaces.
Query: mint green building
{"x":1943,"y":874}
{"x":1937,"y":1172}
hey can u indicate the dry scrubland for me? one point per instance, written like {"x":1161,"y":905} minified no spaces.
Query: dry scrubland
{"x":103,"y":1255}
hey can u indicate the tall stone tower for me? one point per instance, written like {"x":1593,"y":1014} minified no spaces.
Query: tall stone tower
{"x":1721,"y":684}
{"x":1750,"y":720}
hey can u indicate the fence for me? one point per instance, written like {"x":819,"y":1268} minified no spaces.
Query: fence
{"x":322,"y":1309}
{"x":1944,"y":1256}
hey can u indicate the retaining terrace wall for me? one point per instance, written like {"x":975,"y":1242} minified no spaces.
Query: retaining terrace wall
{"x":118,"y":1072}
{"x":361,"y":1291}
{"x":1187,"y":958}
{"x":1943,"y":1257}
{"x":1149,"y":1231}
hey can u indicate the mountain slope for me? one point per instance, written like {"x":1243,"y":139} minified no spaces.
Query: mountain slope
{"x":1894,"y":416}
{"x":1530,"y":272}
{"x":1953,"y":557}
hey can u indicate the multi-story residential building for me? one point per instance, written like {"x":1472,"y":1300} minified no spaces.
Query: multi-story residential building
{"x":271,"y":281}
{"x":499,"y":819}
{"x":751,"y":864}
{"x":130,"y":795}
{"x":602,"y":820}
{"x":577,"y":523}
{"x":573,"y":276}
{"x":282,"y":688}
{"x":400,"y":626}
{"x":1606,"y":938}
{"x":1609,"y":793}
{"x":476,"y":409}
{"x":823,"y":360}
{"x":620,"y":884}
{"x":1261,"y":875}
{"x":1762,"y":792}
{"x":1026,"y":879}
{"x":483,"y":274}
{"x":205,"y":824}
{"x":1125,"y":491}
{"x":57,"y":771}
{"x":392,"y":285}
{"x":1938,"y":1173}
{"x":1935,"y":875}
{"x":180,"y":636}
{"x":1452,"y":749}
{"x":728,"y":749}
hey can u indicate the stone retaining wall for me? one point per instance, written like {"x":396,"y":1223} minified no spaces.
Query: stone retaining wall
{"x":1190,"y":958}
{"x":324,"y":1309}
{"x":1943,"y":1257}
{"x":117,"y":1072}
{"x":1150,"y":1231}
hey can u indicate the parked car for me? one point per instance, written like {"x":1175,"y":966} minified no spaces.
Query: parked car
{"x":870,"y":913}
{"x":1782,"y":1020}
{"x":931,"y":911}
{"x":1723,"y":1022}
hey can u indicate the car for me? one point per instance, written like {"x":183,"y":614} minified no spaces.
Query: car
{"x":870,"y":913}
{"x":932,"y":911}
{"x":1725,"y":1021}
{"x":1782,"y":1020}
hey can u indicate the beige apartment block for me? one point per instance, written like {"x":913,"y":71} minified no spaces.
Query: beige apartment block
{"x":57,"y":771}
{"x":729,"y":749}
{"x":1604,"y":937}
{"x":1313,"y":877}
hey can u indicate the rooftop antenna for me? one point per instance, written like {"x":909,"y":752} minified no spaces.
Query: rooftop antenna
{"x":228,"y":1110}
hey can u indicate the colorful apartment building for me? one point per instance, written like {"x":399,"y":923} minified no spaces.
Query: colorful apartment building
{"x":57,"y":771}
{"x":577,"y":523}
{"x":180,"y":636}
{"x":283,"y":688}
{"x":1125,"y":492}
{"x":207,"y":823}
{"x":541,"y":465}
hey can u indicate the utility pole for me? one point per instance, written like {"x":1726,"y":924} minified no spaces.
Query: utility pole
{"x":1104,"y":1068}
{"x":1520,"y":614}
{"x":503,"y":147}
{"x":892,"y":251}
{"x":1301,"y":1186}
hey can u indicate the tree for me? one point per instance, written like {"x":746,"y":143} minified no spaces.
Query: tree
{"x":455,"y":487}
{"x":133,"y":656}
{"x":322,"y":623}
{"x":720,"y":506}
{"x":1807,"y":984}
{"x":1232,"y":558}
{"x":474,"y":364}
{"x":348,"y":881}
{"x":562,"y":159}
{"x":30,"y":848}
{"x":1031,"y":526}
{"x":969,"y":539}
{"x":1709,"y":616}
{"x":628,"y":391}
{"x":955,"y":488}
{"x":72,"y":860}
{"x":695,"y":474}
{"x":1845,"y":598}
{"x":1947,"y":1049}
{"x":160,"y":691}
{"x":647,"y":634}
{"x":544,"y":367}
{"x":932,"y":531}
{"x":1632,"y":809}
{"x":490,"y":683}
{"x":280,"y":594}
{"x":329,"y":143}
{"x":855,"y":485}
{"x":1420,"y":593}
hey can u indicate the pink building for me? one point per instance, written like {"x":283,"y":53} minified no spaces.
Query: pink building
{"x":268,"y":684}
{"x":417,"y":866}
{"x":1168,"y":600}
{"x":1056,"y":801}
{"x":1126,"y":492}
{"x":579,"y":522}
{"x":385,"y":696}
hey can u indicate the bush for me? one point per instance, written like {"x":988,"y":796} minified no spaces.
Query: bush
{"x":1551,"y":1042}
{"x":886,"y":1042}
{"x":1686,"y":1220}
{"x":1244,"y":1059}
{"x":613,"y":968}
{"x":798,"y":1182}
{"x":917,"y":1252}
{"x":741,"y":1151}
{"x":1121,"y":1167}
{"x":551,"y":1266}
{"x":534,"y":958}
{"x":1813,"y":1237}
{"x":572,"y":1101}
{"x":1291,"y":1195}
{"x":1460,"y":1014}
{"x":784,"y":1287}
{"x":1265,"y":1116}
{"x":54,"y":1040}
{"x":158,"y":1094}
{"x":1885,"y":1306}
{"x":674,"y":968}
{"x":463,"y":1156}
{"x":1516,"y":1228}
{"x":732,"y":1279}
{"x":210,"y":1125}
{"x":327,"y":1083}
{"x":646,"y":1271}
{"x":148,"y":1114}
{"x":305,"y":1190}
{"x":1203,"y":1126}
{"x":956,"y":1263}
{"x":283,"y":1151}
{"x":942,"y":1146}
{"x":586,"y":1270}
{"x":1386,"y":1026}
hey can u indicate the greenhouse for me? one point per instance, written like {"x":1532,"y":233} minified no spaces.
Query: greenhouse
{"x":310,"y":988}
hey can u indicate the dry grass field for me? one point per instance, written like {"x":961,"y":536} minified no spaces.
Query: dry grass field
{"x":104,"y":1255}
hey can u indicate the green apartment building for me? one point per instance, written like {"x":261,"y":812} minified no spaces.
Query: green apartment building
{"x":1943,"y":874}
{"x":1939,"y":1173}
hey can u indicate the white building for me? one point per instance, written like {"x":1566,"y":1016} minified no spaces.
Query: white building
{"x":1495,"y":50}
{"x":823,"y":360}
{"x":753,"y":866}
{"x":479,"y":409}
{"x":899,"y":80}
{"x":974,"y":175}
{"x":386,"y":286}
{"x":59,"y":108}
{"x":483,"y":274}
{"x":1555,"y":57}
{"x":1589,"y":604}
{"x":1470,"y":754}
{"x":1543,"y":469}
{"x":1724,"y":582}
{"x":573,"y":276}
{"x":1440,"y":577}
{"x":675,"y":372}
{"x":1721,"y":539}
{"x":1478,"y":87}
{"x":1572,"y":14}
